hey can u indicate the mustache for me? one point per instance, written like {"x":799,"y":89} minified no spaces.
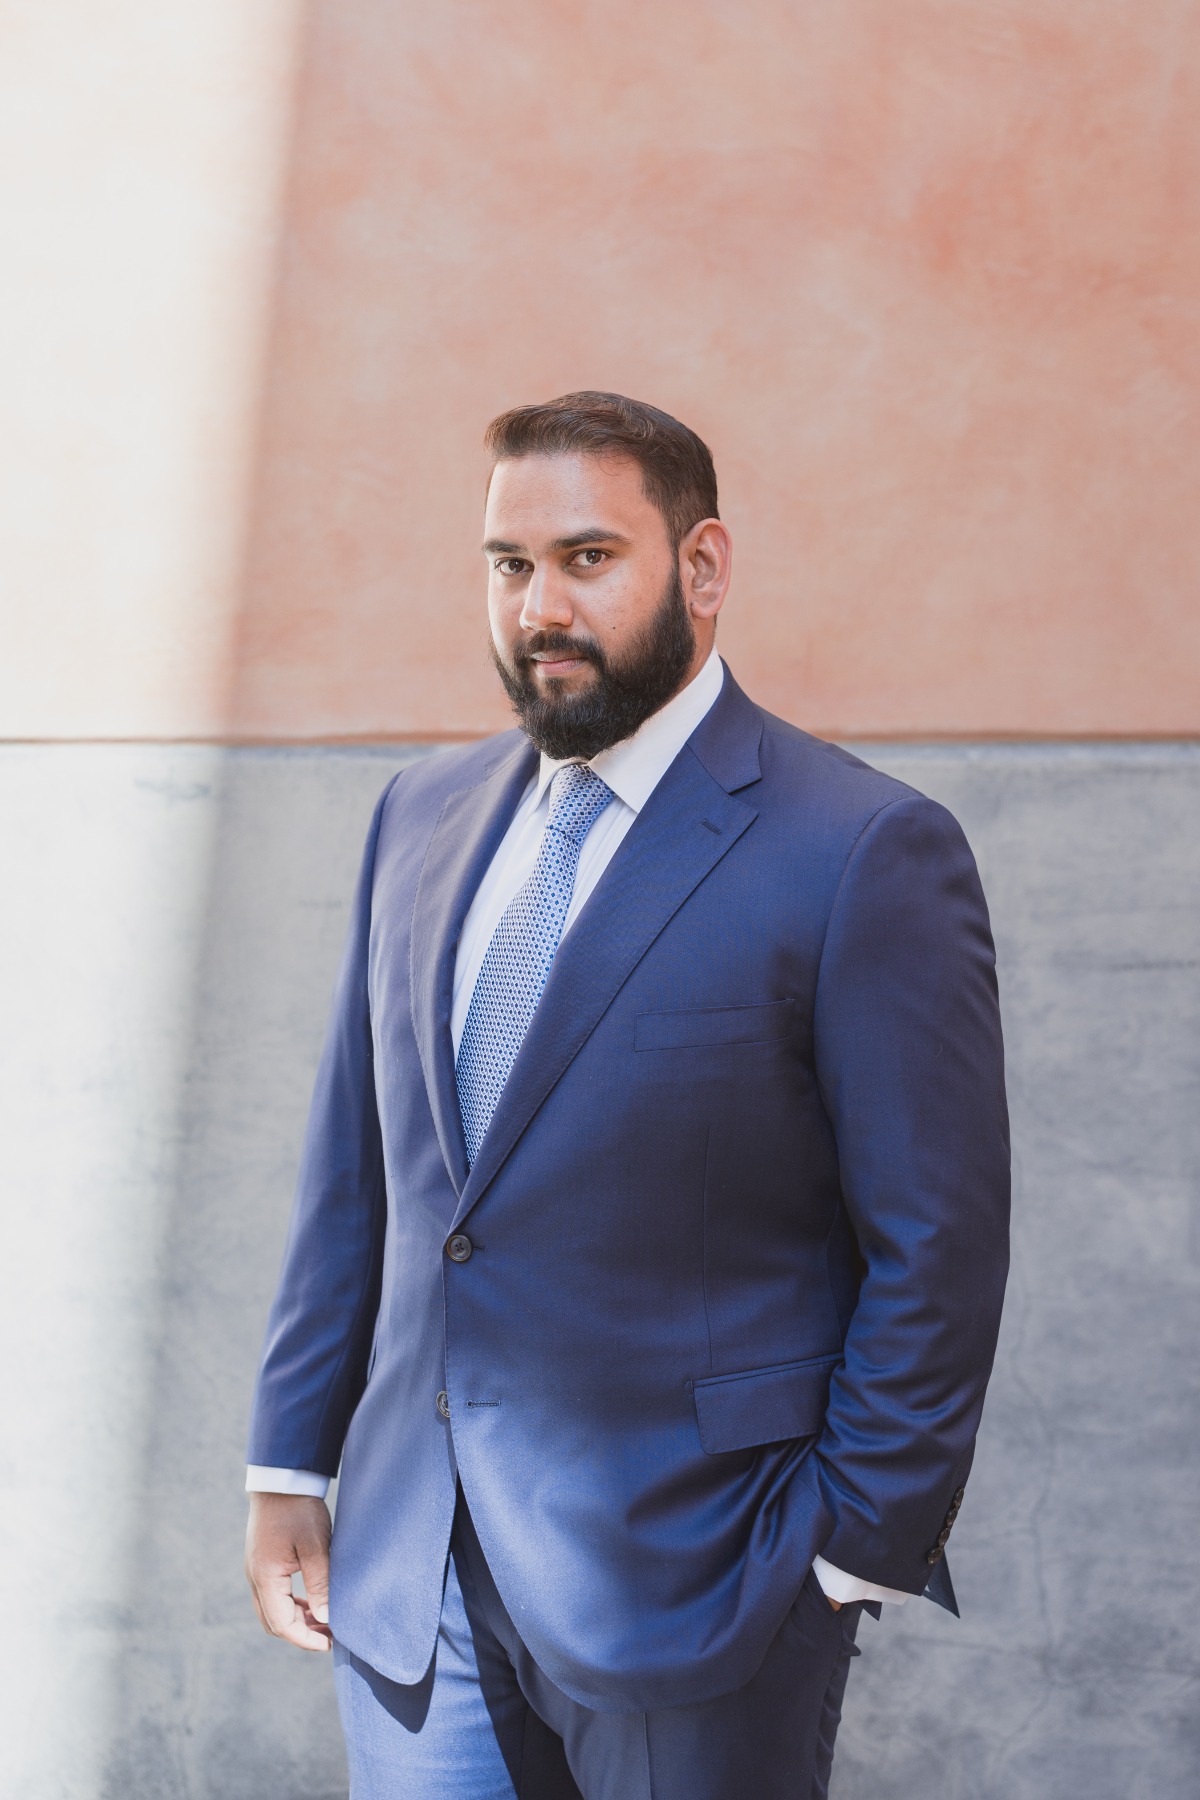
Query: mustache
{"x":560,"y":643}
{"x":622,"y":694}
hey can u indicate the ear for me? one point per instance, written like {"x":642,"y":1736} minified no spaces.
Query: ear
{"x":705,"y":565}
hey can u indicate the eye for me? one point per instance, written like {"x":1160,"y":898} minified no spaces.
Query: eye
{"x":511,"y":565}
{"x":591,"y":559}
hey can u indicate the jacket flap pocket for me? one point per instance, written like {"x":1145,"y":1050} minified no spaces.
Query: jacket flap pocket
{"x":763,"y":1406}
{"x":713,"y":1025}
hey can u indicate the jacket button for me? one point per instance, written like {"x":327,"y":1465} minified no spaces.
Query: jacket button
{"x":459,"y":1248}
{"x":935,"y":1555}
{"x":443,"y":1404}
{"x":959,"y":1497}
{"x":944,"y":1536}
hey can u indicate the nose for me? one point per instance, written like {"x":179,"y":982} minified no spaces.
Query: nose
{"x":547,"y":604}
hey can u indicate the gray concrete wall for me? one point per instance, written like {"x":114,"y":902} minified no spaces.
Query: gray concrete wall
{"x":171,"y":918}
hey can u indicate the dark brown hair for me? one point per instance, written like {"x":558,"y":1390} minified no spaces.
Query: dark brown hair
{"x":677,"y":466}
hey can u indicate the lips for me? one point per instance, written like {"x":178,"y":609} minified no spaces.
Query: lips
{"x":553,"y":664}
{"x":554,"y":658}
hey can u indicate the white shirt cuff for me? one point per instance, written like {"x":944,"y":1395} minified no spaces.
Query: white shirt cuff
{"x":837,"y":1585}
{"x":285,"y":1481}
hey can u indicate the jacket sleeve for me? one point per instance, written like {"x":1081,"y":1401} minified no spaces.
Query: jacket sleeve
{"x":911,"y":1067}
{"x":321,"y":1324}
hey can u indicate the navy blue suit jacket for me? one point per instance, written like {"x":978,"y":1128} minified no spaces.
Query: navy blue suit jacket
{"x":738,"y":1226}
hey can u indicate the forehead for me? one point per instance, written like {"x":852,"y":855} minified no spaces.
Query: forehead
{"x":535,"y":499}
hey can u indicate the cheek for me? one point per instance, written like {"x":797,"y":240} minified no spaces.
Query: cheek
{"x":614,"y":609}
{"x":503,"y":612}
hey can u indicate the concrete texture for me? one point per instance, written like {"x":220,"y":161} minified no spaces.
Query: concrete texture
{"x":171,"y":921}
{"x":926,"y":275}
{"x":1075,"y":1669}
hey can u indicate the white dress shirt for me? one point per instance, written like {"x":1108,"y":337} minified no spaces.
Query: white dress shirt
{"x":632,"y":770}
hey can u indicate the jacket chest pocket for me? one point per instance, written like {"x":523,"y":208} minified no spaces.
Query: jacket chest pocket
{"x":695,"y":1028}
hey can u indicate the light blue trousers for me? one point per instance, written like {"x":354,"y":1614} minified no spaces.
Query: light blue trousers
{"x":486,"y":1724}
{"x":434,"y":1741}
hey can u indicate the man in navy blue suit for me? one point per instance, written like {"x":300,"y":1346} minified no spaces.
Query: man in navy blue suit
{"x":650,"y":1238}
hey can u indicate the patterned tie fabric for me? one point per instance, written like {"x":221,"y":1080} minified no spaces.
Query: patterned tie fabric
{"x":517,"y":965}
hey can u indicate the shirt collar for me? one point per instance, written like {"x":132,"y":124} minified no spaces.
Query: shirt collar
{"x":634,"y":768}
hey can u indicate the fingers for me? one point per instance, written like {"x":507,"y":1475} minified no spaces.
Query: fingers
{"x":314,"y":1567}
{"x":286,"y":1617}
{"x":288,"y":1535}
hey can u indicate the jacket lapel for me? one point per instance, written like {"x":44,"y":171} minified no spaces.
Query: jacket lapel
{"x":687,"y":826}
{"x":466,"y":837}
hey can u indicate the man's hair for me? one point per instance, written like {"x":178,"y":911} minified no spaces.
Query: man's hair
{"x":677,"y":467}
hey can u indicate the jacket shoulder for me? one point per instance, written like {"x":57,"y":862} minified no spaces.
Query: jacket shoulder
{"x":829,"y":810}
{"x":434,"y":775}
{"x":817,"y":774}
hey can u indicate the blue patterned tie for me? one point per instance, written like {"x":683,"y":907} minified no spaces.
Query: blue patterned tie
{"x":517,"y":965}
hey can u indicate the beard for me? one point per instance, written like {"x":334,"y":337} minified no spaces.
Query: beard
{"x":623,"y":695}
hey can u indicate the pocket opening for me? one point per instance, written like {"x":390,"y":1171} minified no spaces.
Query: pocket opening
{"x":771,"y":1405}
{"x":696,"y":1028}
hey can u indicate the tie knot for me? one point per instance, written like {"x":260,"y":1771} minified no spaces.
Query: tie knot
{"x":577,"y":798}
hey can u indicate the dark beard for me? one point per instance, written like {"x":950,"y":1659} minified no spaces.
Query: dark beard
{"x":622,"y":697}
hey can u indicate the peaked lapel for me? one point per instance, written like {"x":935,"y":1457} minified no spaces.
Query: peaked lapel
{"x":689,"y":823}
{"x":466,"y":837}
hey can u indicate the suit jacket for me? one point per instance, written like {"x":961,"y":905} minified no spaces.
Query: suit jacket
{"x":736,"y":1238}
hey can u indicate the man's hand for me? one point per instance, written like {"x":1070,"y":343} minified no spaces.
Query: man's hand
{"x":286,"y":1535}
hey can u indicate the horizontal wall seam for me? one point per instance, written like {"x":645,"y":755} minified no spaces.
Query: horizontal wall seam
{"x":438,"y":740}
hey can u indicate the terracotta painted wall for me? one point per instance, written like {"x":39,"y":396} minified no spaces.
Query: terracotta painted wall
{"x":926,"y":274}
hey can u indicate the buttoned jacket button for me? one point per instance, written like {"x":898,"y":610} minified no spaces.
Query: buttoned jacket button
{"x":459,"y":1248}
{"x":443,"y":1404}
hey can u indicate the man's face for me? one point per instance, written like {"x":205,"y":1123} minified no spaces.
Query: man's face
{"x":591,"y":632}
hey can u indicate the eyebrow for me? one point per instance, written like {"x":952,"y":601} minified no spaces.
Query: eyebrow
{"x":577,"y":540}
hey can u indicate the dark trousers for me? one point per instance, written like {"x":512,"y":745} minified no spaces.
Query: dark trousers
{"x":772,"y":1739}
